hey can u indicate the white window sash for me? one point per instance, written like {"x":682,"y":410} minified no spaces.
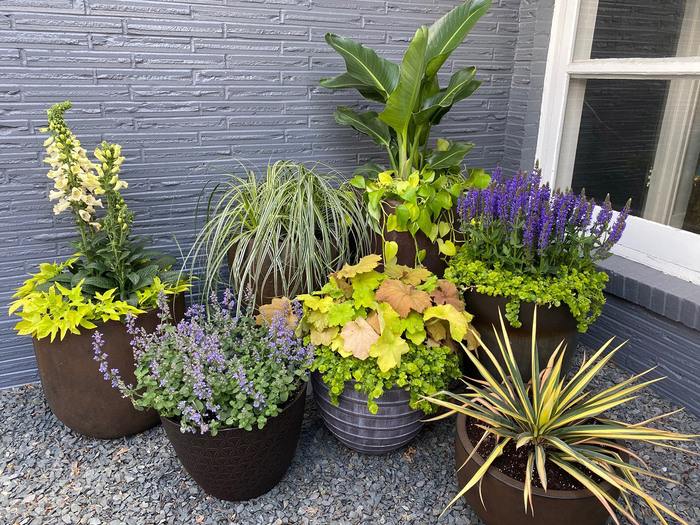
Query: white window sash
{"x":668,"y":249}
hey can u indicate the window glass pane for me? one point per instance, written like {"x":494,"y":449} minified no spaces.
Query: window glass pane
{"x":632,"y":28}
{"x":640,"y":139}
{"x":617,"y":138}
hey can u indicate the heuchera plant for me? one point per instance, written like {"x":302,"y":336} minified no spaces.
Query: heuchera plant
{"x":388,"y":328}
{"x":529,"y":243}
{"x":215,"y":371}
{"x":112,"y":273}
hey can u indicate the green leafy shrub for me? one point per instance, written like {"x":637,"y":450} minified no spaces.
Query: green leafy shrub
{"x":394,"y":327}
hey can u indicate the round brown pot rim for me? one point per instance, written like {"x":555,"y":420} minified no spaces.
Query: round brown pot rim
{"x":299,"y":393}
{"x":515,"y":484}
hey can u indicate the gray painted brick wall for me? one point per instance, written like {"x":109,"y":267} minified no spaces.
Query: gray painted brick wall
{"x":179,"y":83}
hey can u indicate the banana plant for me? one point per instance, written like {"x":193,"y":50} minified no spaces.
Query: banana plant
{"x":414,"y":101}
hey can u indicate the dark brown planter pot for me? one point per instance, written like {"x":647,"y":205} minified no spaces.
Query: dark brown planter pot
{"x":433,"y":261}
{"x":238,"y":464}
{"x":394,"y":425}
{"x":554,"y":325}
{"x":77,"y":392}
{"x":503,"y":496}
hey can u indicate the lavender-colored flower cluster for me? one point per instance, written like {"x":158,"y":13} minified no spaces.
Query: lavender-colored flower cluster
{"x":215,"y":369}
{"x":521,"y":223}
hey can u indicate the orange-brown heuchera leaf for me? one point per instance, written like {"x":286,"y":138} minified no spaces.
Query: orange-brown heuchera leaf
{"x":446,"y":293}
{"x":366,"y":264}
{"x":279,"y":305}
{"x":358,"y":336}
{"x":373,"y":321}
{"x":413,"y":276}
{"x":403,"y":297}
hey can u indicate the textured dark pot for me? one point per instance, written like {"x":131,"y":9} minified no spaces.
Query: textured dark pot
{"x":77,"y":392}
{"x":239,"y":464}
{"x":554,"y":325}
{"x":503,"y":496}
{"x":406,"y":255}
{"x":394,"y":425}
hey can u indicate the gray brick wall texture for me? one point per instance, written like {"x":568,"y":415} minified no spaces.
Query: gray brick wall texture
{"x":180,"y":83}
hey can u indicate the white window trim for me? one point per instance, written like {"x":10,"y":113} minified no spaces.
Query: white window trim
{"x":670,"y":250}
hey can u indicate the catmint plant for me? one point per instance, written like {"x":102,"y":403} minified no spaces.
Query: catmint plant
{"x":214,"y":369}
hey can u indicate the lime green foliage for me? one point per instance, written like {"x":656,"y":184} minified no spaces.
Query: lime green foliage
{"x":421,"y":373}
{"x":426,"y":179}
{"x":384,"y":328}
{"x":581,"y":290}
{"x":47,"y":308}
{"x":113,"y":273}
{"x":289,"y":227}
{"x":426,"y":203}
{"x":559,"y":421}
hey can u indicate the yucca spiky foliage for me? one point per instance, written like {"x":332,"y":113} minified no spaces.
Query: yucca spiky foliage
{"x":559,"y":421}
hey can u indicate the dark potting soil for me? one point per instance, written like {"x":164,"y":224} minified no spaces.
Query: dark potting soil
{"x":513,"y":462}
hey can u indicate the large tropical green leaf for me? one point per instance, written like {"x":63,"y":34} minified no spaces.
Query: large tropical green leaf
{"x":366,"y":123}
{"x":365,"y":65}
{"x":347,"y":81}
{"x":451,"y":157}
{"x":402,"y":102}
{"x":460,"y":83}
{"x":449,"y":31}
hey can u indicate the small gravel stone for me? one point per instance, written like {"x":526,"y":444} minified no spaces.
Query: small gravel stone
{"x":48,"y":474}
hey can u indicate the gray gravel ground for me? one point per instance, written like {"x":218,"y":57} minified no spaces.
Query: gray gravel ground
{"x":50,"y":475}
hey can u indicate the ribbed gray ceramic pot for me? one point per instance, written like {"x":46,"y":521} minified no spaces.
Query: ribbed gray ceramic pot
{"x":394,"y":425}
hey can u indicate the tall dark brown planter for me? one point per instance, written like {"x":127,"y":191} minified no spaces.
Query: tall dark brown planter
{"x":238,"y":464}
{"x":394,"y":425}
{"x":554,"y":325}
{"x":503,"y":496}
{"x":406,"y":255}
{"x":76,"y":390}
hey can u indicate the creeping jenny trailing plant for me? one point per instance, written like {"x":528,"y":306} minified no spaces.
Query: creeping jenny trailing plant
{"x":529,"y":243}
{"x":216,"y":370}
{"x":385,"y":329}
{"x":112,"y":273}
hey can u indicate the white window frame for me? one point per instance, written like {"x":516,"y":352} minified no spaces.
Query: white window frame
{"x":670,"y":250}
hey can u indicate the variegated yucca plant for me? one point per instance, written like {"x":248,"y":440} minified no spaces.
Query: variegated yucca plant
{"x":561,"y":422}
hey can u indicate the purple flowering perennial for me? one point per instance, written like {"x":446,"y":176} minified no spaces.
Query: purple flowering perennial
{"x":543,"y":230}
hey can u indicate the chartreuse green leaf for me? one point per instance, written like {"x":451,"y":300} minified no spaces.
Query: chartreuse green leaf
{"x":457,"y":320}
{"x":365,"y":65}
{"x":340,"y":313}
{"x":391,"y":248}
{"x":388,"y":350}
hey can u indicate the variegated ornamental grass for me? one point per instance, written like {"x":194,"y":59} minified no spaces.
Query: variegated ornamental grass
{"x":561,"y":422}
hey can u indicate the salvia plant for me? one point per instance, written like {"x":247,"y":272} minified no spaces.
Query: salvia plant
{"x":111,"y":265}
{"x":559,"y":421}
{"x":388,"y":328}
{"x":215,"y":370}
{"x":528,"y":242}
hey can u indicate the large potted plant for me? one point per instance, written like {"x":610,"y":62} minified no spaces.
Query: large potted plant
{"x":230,"y":392}
{"x":544,"y":452}
{"x":281,"y":232}
{"x":527,"y":245}
{"x":383,"y":340}
{"x":419,"y":190}
{"x":112,"y":274}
